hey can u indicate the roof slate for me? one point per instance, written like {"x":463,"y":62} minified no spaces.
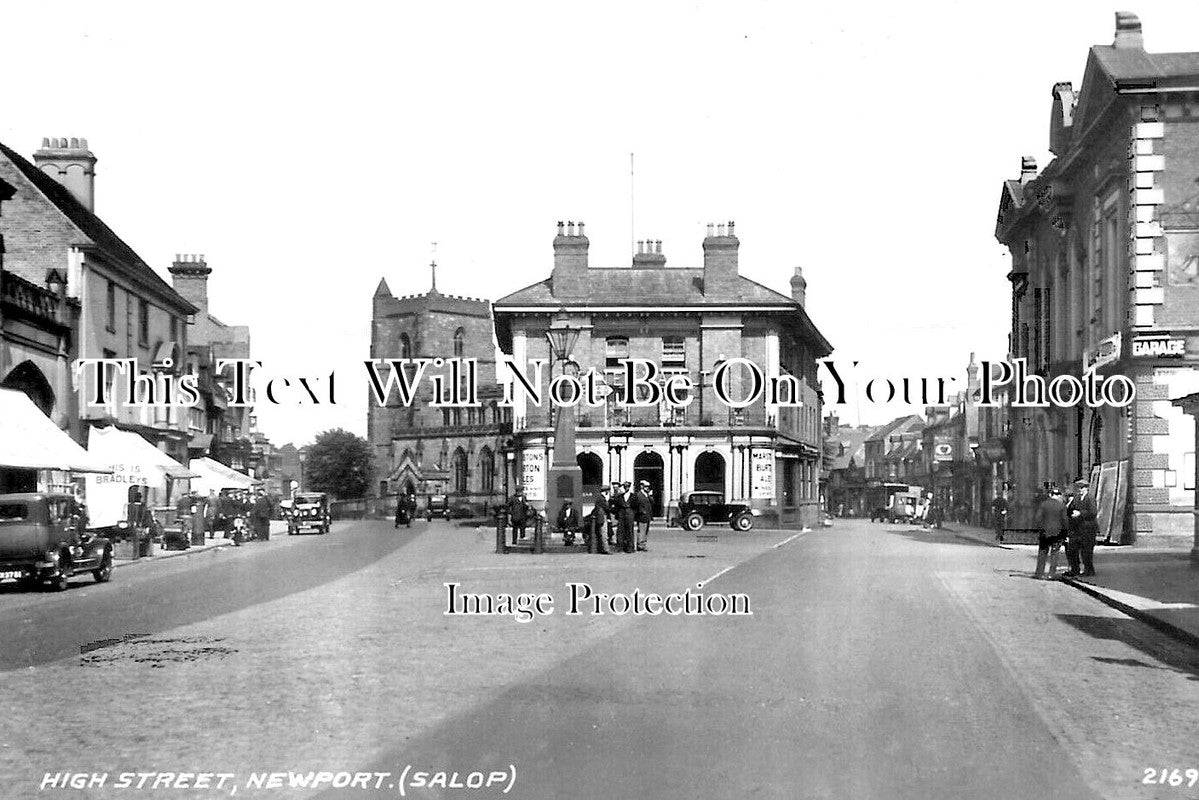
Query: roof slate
{"x":625,"y":286}
{"x":94,"y":228}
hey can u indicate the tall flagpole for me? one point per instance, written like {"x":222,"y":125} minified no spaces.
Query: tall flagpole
{"x":632,"y":213}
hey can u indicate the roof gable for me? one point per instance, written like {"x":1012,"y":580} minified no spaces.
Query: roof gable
{"x":94,"y":232}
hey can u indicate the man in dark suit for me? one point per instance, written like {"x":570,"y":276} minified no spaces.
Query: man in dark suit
{"x":613,"y":518}
{"x":1083,"y":518}
{"x":568,"y":522}
{"x":625,"y":517}
{"x":643,"y":512}
{"x":598,"y":522}
{"x":260,"y":512}
{"x":1051,"y":518}
{"x":518,"y":513}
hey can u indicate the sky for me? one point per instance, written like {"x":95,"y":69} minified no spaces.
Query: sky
{"x":310,"y":149}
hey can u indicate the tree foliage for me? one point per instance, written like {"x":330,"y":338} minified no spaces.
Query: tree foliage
{"x":338,"y":463}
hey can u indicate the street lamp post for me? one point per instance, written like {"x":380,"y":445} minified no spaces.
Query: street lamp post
{"x":565,"y":478}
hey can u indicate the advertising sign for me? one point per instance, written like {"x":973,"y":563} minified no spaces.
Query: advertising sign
{"x":943,"y":449}
{"x":1159,"y":347}
{"x":762,"y":470}
{"x":1102,"y":354}
{"x":532,"y":474}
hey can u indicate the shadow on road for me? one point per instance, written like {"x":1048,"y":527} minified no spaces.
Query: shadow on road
{"x":935,"y":536}
{"x":1169,"y":654}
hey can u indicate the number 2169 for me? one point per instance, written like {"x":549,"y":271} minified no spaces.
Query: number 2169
{"x":1171,"y":777}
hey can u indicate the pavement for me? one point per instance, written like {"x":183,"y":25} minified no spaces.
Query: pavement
{"x":158,"y":552}
{"x":1160,"y":587}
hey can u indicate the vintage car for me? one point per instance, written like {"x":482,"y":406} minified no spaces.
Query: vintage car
{"x":439,"y":506}
{"x":309,"y":512}
{"x":697,"y":509}
{"x":42,"y":541}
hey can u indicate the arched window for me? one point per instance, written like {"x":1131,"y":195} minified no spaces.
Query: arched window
{"x":486,"y":470}
{"x":445,"y":417}
{"x":405,"y":346}
{"x":460,"y":471}
{"x":27,"y":378}
{"x":459,"y":342}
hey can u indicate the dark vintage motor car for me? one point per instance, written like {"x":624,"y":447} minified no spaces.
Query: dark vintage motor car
{"x":439,"y":506}
{"x":309,"y":512}
{"x":697,"y":509}
{"x":42,"y":541}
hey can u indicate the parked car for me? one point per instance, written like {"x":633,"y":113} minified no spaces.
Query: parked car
{"x":43,"y":541}
{"x":697,"y":509}
{"x":309,"y":512}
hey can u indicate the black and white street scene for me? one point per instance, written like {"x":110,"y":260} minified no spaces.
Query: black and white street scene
{"x":564,"y":400}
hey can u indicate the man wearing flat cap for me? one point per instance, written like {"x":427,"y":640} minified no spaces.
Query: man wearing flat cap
{"x":623,"y":504}
{"x":643,"y":512}
{"x":1082,"y":517}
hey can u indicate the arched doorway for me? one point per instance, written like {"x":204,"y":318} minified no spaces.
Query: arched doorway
{"x":709,"y":472}
{"x":647,"y":466}
{"x":27,"y":378}
{"x":592,"y":467}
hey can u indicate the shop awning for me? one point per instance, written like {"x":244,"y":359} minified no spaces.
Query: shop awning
{"x":214,"y":476}
{"x":29,"y":440}
{"x":200,"y":441}
{"x":123,"y":447}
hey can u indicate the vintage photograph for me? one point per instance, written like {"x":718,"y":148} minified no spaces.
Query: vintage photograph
{"x":599,"y":400}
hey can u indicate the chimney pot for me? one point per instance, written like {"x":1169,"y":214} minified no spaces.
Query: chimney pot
{"x":710,"y":228}
{"x":658,"y":246}
{"x":45,"y":142}
{"x":731,"y":223}
{"x":561,"y":226}
{"x":580,"y":228}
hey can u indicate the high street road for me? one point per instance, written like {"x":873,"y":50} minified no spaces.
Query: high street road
{"x":880,"y":662}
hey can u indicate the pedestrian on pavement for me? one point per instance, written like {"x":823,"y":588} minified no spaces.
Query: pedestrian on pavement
{"x":625,"y":518}
{"x":999,"y":515}
{"x":211,"y":507}
{"x":261,"y":512}
{"x":613,"y":516}
{"x":1051,"y":518}
{"x":598,"y":522}
{"x":518,"y":513}
{"x":643,"y":512}
{"x":1083,"y":519}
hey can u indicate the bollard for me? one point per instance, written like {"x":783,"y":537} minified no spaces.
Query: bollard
{"x":501,"y":529}
{"x":538,"y":535}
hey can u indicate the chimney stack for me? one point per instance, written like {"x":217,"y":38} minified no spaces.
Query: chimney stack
{"x":720,"y":261}
{"x":189,"y":277}
{"x":569,"y":278}
{"x":1128,"y":32}
{"x":69,"y":162}
{"x":649,"y":255}
{"x":799,"y":287}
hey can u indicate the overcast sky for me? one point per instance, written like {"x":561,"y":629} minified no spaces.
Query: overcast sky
{"x":309,"y":149}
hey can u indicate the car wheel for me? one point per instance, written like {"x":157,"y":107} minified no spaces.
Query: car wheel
{"x":743,"y":522}
{"x":693,"y":521}
{"x":104,"y":573}
{"x":61,"y":581}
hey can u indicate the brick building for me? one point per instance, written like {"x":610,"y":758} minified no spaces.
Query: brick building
{"x":427,"y":449}
{"x":1105,"y":276}
{"x":892,"y":455}
{"x":845,"y":446}
{"x":216,"y":428}
{"x":685,"y":320}
{"x":56,"y":245}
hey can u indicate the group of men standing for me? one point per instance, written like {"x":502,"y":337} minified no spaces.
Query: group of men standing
{"x":620,"y":519}
{"x":1073,"y":521}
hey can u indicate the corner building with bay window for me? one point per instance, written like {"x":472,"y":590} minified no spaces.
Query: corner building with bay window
{"x":684,"y":320}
